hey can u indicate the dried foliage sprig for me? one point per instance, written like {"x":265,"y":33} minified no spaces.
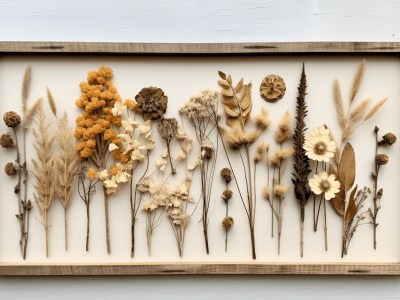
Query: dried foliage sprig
{"x":301,"y":165}
{"x":238,"y":106}
{"x":43,"y":170}
{"x":380,"y":160}
{"x":201,"y":111}
{"x":66,"y":165}
{"x":95,"y":130}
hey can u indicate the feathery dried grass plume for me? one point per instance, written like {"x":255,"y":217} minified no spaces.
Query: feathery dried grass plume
{"x":284,"y":132}
{"x":43,"y":170}
{"x":52,"y":103}
{"x":301,"y":165}
{"x":26,"y":84}
{"x":65,"y":168}
{"x":351,"y":120}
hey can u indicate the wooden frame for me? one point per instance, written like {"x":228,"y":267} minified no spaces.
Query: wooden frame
{"x":391,"y":48}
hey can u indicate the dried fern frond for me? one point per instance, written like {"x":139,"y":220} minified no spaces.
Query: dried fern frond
{"x":357,"y":81}
{"x":26,"y":84}
{"x":337,"y":96}
{"x":375,"y":108}
{"x":43,"y":169}
{"x":52,"y":103}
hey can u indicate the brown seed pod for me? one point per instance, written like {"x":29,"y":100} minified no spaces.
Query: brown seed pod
{"x":227,"y":222}
{"x":6,"y":141}
{"x":10,"y":169}
{"x":151,"y":103}
{"x":272,"y":88}
{"x":12,"y":119}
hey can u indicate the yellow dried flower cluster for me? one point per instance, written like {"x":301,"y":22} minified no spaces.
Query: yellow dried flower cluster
{"x":95,"y":124}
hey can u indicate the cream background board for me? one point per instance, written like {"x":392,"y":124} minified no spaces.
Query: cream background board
{"x":178,"y":21}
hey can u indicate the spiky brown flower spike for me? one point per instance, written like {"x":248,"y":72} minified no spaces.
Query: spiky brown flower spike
{"x":301,"y":161}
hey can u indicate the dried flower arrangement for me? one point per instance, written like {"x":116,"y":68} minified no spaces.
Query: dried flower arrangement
{"x":380,"y":160}
{"x":349,"y":207}
{"x":20,"y":167}
{"x":238,"y":106}
{"x":301,"y":165}
{"x":95,"y":132}
{"x":201,"y":112}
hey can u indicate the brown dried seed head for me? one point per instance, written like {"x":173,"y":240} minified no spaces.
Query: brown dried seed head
{"x":6,"y":141}
{"x":226,"y":175}
{"x":12,"y":119}
{"x":381,"y":159}
{"x":227,"y":222}
{"x":388,"y":139}
{"x":151,"y":103}
{"x":10,"y":169}
{"x":227,"y":194}
{"x":207,"y":152}
{"x":167,"y":127}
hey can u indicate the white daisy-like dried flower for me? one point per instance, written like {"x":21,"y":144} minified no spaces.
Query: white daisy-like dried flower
{"x":319,"y":146}
{"x":324,"y":183}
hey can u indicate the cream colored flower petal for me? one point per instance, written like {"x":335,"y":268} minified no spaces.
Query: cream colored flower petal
{"x":329,"y":195}
{"x":335,"y":184}
{"x":324,"y":131}
{"x":329,"y":154}
{"x":325,"y":139}
{"x":331,"y":178}
{"x":323,"y":175}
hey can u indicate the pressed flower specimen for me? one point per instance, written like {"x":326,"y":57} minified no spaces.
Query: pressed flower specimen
{"x":320,"y":147}
{"x":272,"y":88}
{"x":380,"y":160}
{"x":201,"y":112}
{"x":20,"y":168}
{"x":237,"y":106}
{"x":95,"y":130}
{"x":301,"y":163}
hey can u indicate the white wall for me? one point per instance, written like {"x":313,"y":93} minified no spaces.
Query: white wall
{"x":200,"y":21}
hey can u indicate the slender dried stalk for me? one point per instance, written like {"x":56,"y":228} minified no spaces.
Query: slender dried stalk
{"x":66,"y":167}
{"x":43,"y":170}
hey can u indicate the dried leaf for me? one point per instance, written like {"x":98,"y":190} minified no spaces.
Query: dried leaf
{"x":351,"y":207}
{"x":222,"y":75}
{"x":239,"y":86}
{"x":227,"y":93}
{"x":338,"y":202}
{"x":229,"y":79}
{"x":224,"y":84}
{"x":347,"y":167}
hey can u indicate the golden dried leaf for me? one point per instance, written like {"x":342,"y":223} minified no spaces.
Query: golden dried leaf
{"x":222,"y":75}
{"x":227,"y":93}
{"x":338,"y":202}
{"x":347,"y":167}
{"x":351,"y":208}
{"x":224,"y":84}
{"x":229,"y":79}
{"x":239,"y":86}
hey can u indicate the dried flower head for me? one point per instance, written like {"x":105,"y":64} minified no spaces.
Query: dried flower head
{"x":324,"y":183}
{"x":227,"y":222}
{"x":280,"y":191}
{"x":272,"y":88}
{"x":207,"y":152}
{"x":381,"y":159}
{"x":388,"y":139}
{"x":227,"y":195}
{"x":266,"y":192}
{"x":261,"y":149}
{"x":167,"y":127}
{"x":12,"y":119}
{"x":319,"y":146}
{"x":226,"y":175}
{"x":6,"y":141}
{"x":151,"y":103}
{"x":261,"y":119}
{"x":284,"y":130}
{"x":277,"y":159}
{"x":10,"y":169}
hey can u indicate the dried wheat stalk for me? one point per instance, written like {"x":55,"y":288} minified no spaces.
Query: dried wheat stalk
{"x":43,"y":169}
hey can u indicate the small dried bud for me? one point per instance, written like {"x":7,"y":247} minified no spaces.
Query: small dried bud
{"x":379,"y":194}
{"x":29,"y":205}
{"x":227,"y":194}
{"x":226,"y":175}
{"x":381,"y":159}
{"x":266,"y":192}
{"x":376,"y":129}
{"x":167,"y":127}
{"x":207,"y":152}
{"x":388,"y":139}
{"x":12,"y":119}
{"x":227,"y":222}
{"x":6,"y":141}
{"x":16,"y":189}
{"x":10,"y":169}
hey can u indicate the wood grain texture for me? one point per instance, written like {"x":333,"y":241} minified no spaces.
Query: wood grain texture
{"x":27,"y":269}
{"x":200,"y":48}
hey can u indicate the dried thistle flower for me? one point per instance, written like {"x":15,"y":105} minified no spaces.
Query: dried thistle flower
{"x":10,"y":169}
{"x":284,"y":131}
{"x":12,"y":119}
{"x":281,"y":155}
{"x":381,"y":159}
{"x":226,"y":175}
{"x":6,"y":141}
{"x":151,"y":103}
{"x":227,"y":222}
{"x":227,"y":195}
{"x":167,"y":127}
{"x":262,"y":121}
{"x":388,"y":139}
